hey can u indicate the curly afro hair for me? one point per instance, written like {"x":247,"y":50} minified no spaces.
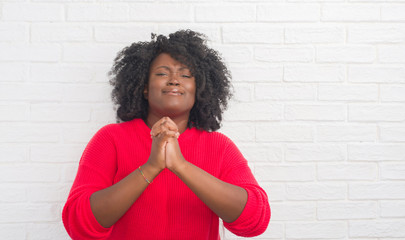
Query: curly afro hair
{"x":130,"y":74}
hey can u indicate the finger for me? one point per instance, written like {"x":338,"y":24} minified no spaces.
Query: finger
{"x":162,"y":125}
{"x":164,"y":136}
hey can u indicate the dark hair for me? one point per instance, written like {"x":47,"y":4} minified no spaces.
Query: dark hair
{"x":130,"y":74}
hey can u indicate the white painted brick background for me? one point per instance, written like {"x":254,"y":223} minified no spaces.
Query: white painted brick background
{"x":319,"y":107}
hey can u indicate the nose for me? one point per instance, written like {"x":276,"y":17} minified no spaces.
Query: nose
{"x":173,"y":80}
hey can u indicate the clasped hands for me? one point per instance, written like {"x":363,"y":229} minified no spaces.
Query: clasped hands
{"x":165,"y":150}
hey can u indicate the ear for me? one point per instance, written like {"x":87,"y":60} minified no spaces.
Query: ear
{"x":145,"y":92}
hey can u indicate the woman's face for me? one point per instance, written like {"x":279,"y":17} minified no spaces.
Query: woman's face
{"x":171,"y":87}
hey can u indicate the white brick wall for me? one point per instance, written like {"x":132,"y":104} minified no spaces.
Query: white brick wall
{"x":319,"y":107}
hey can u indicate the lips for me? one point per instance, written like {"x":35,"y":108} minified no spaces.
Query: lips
{"x":173,"y":91}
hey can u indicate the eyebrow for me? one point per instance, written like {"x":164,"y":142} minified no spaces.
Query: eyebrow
{"x":167,"y":68}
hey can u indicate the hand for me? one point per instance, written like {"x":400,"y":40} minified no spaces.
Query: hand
{"x":161,"y":132}
{"x":174,"y":158}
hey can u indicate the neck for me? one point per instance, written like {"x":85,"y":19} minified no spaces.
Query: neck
{"x":181,"y":121}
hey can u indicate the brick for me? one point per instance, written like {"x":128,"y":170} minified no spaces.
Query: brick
{"x":316,"y":191}
{"x":376,"y":74}
{"x":309,"y":152}
{"x":314,"y":73}
{"x":239,"y":131}
{"x":346,"y":133}
{"x":392,"y":133}
{"x":243,"y":33}
{"x":47,"y":231}
{"x":58,"y":32}
{"x":391,"y":54}
{"x":18,"y":133}
{"x":352,"y":92}
{"x":69,"y":172}
{"x":225,"y":13}
{"x":377,"y":191}
{"x":86,"y":93}
{"x":30,"y":52}
{"x":12,"y":32}
{"x":13,"y":231}
{"x":376,"y":33}
{"x":79,"y":132}
{"x":372,"y":113}
{"x":48,"y":193}
{"x":14,"y":72}
{"x":257,"y":74}
{"x":30,"y":92}
{"x":289,"y":12}
{"x":125,"y":34}
{"x":391,"y":209}
{"x":243,"y":111}
{"x":392,"y":12}
{"x":376,"y":152}
{"x":13,"y":193}
{"x":60,"y":112}
{"x":90,"y":53}
{"x":294,"y":212}
{"x":15,"y":213}
{"x":346,"y":210}
{"x":255,"y":152}
{"x":30,"y":173}
{"x":377,"y":228}
{"x":161,"y":12}
{"x":55,"y":153}
{"x":284,"y":54}
{"x":312,"y":230}
{"x":315,"y":34}
{"x":360,"y":171}
{"x":243,"y":92}
{"x":13,"y":153}
{"x":329,"y":112}
{"x":90,"y":12}
{"x":73,"y":73}
{"x":392,"y":93}
{"x":33,"y":12}
{"x":274,"y":191}
{"x":284,"y":133}
{"x":350,"y":12}
{"x":103,"y":113}
{"x":14,"y":112}
{"x":285,"y":92}
{"x":346,"y":54}
{"x":392,"y":171}
{"x":285,"y":173}
{"x":230,"y":54}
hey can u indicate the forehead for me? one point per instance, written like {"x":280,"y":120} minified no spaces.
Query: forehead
{"x":164,"y":59}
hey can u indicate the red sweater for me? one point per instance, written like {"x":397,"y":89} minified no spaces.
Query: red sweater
{"x":167,"y":209}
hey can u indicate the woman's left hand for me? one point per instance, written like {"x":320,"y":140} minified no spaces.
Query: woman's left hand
{"x":174,"y":157}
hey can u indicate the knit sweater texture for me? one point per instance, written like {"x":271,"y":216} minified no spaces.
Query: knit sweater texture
{"x":167,"y":209}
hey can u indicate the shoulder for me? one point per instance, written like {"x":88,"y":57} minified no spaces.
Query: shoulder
{"x":217,"y":139}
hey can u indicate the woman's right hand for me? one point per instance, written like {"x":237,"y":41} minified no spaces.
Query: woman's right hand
{"x":161,"y":131}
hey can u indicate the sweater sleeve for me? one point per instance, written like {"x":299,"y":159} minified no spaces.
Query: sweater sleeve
{"x":255,"y":217}
{"x":96,"y":171}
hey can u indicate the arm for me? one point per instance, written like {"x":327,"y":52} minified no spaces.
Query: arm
{"x":237,"y":198}
{"x":94,"y":203}
{"x":110,"y":204}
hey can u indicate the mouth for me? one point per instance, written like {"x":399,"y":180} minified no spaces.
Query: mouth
{"x":173,"y":92}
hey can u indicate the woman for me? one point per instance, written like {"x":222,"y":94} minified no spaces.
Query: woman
{"x":163,"y":172}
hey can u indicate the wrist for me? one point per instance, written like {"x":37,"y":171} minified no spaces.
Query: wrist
{"x":180,"y":167}
{"x":150,"y":171}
